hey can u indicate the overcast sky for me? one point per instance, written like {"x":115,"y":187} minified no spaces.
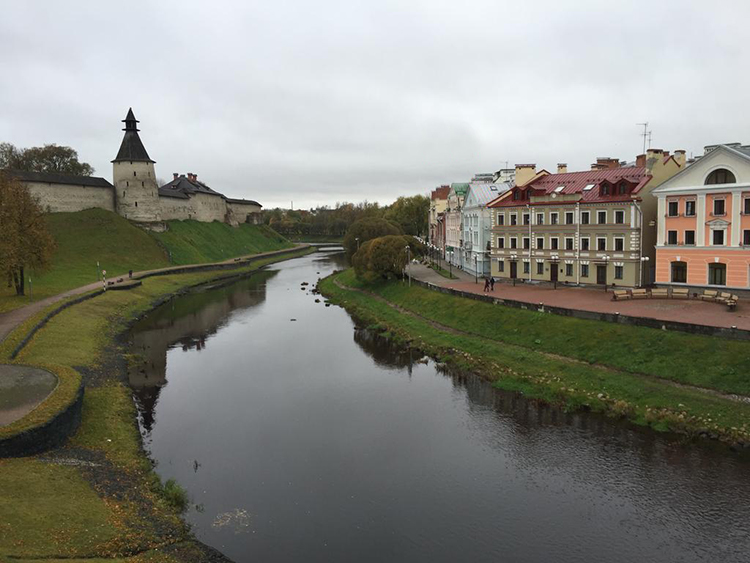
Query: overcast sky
{"x":319,"y":102}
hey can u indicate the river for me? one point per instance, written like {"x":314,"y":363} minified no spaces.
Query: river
{"x":300,"y":437}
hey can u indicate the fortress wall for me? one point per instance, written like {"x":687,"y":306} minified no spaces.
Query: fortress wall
{"x":176,"y":209}
{"x":243,"y":213}
{"x":209,"y":207}
{"x":59,"y":198}
{"x":136,"y":191}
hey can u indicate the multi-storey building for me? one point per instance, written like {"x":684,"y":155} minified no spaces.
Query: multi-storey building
{"x":438,"y":204}
{"x":477,"y":222}
{"x":588,"y":227}
{"x":704,"y":221}
{"x":454,"y":225}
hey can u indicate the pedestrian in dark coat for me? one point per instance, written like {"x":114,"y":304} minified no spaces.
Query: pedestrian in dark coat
{"x":486,"y":285}
{"x":492,"y":283}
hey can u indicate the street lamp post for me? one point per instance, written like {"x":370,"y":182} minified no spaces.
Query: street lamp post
{"x":408,"y":262}
{"x":514,"y":260}
{"x":606,"y":263}
{"x":476,"y":279}
{"x":450,"y":264}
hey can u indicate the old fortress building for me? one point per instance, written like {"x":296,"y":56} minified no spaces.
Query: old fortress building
{"x":135,"y":193}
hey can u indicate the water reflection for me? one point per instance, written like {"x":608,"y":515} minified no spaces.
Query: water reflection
{"x":185,"y":323}
{"x":317,"y":441}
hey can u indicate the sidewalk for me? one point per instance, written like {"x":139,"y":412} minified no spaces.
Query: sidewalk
{"x":597,"y":300}
{"x":11,"y":319}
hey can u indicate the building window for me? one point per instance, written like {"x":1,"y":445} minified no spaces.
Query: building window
{"x":747,"y":206}
{"x":584,"y":270}
{"x":605,"y":189}
{"x":679,"y":272}
{"x":553,"y":218}
{"x":134,"y":173}
{"x":526,"y":243}
{"x":513,"y":242}
{"x":569,"y":243}
{"x":553,"y":243}
{"x":585,"y":217}
{"x":622,"y":188}
{"x":718,"y":237}
{"x":671,"y":237}
{"x":500,"y":265}
{"x":746,"y":237}
{"x":618,"y":272}
{"x":526,"y":218}
{"x":584,"y":244}
{"x":717,"y":274}
{"x":619,"y":244}
{"x":540,"y":243}
{"x":526,"y":268}
{"x":501,"y":242}
{"x":690,"y":208}
{"x":569,"y":270}
{"x":136,"y":204}
{"x":540,"y":268}
{"x":619,"y":217}
{"x":690,"y":238}
{"x":501,"y":219}
{"x":601,"y":244}
{"x":721,"y":176}
{"x":601,"y":217}
{"x":513,"y":219}
{"x":719,"y":209}
{"x":540,"y":218}
{"x":569,"y":217}
{"x":673,"y":208}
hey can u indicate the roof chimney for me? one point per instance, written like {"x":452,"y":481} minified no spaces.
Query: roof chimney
{"x":640,"y":160}
{"x":524,"y":173}
{"x":176,"y":175}
{"x":562,"y":167}
{"x":604,"y":162}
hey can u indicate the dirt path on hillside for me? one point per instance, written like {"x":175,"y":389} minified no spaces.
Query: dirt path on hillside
{"x":451,"y":330}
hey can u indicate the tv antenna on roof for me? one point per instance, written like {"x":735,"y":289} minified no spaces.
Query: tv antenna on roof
{"x":646,"y":134}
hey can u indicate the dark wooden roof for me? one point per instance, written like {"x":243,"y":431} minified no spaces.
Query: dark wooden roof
{"x":131,"y":148}
{"x":243,"y":201}
{"x":55,"y":178}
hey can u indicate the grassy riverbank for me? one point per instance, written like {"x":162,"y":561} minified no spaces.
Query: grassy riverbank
{"x":97,"y":497}
{"x":643,"y":374}
{"x":95,"y":235}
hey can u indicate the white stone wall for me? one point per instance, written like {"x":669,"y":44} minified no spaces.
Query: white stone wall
{"x":209,"y":207}
{"x":58,"y":198}
{"x":176,"y":209}
{"x":238,"y":213}
{"x":136,"y":192}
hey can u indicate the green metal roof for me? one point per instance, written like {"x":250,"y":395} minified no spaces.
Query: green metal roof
{"x":460,"y":189}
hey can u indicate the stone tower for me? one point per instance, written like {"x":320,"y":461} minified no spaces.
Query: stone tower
{"x":136,"y":190}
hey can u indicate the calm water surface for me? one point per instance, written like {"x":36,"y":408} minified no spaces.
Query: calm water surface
{"x":311,"y":440}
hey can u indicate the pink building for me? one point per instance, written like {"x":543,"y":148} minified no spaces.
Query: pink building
{"x":703,"y":221}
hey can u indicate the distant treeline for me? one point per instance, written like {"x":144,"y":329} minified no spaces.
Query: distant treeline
{"x":410,"y":213}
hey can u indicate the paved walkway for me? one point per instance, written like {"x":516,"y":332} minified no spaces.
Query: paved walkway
{"x":597,"y":300}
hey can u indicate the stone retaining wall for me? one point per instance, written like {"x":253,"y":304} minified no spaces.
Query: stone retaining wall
{"x":48,"y":435}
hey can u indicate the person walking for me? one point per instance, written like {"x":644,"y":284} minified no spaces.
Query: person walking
{"x":486,"y":285}
{"x":492,"y":283}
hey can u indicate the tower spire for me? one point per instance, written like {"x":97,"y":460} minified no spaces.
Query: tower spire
{"x":130,"y":122}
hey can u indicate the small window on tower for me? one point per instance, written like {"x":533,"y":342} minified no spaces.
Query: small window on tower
{"x":143,"y":184}
{"x":136,"y":204}
{"x":134,"y":173}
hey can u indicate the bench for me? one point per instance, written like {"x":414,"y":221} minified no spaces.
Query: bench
{"x":660,"y":293}
{"x":680,"y":293}
{"x":640,"y":294}
{"x":620,"y":295}
{"x":709,"y":295}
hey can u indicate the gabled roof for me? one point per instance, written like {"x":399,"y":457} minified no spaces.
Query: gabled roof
{"x":483,"y":193}
{"x":55,"y":178}
{"x":739,"y":152}
{"x":576,"y":182}
{"x":182,"y":184}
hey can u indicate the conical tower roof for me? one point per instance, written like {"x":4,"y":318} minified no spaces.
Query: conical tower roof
{"x":132,"y":148}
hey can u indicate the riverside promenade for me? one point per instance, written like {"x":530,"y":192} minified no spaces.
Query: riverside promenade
{"x":693,"y":311}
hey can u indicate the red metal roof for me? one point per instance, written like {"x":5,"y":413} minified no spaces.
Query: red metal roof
{"x":575,"y":182}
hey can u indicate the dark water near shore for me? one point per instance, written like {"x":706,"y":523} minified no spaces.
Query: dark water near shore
{"x":310,"y":440}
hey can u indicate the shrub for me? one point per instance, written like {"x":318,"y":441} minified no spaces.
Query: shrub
{"x":383,"y":257}
{"x":175,"y":495}
{"x":365,"y":230}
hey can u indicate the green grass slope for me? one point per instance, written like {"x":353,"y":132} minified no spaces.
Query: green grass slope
{"x":95,"y":235}
{"x":83,"y":238}
{"x":192,"y":242}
